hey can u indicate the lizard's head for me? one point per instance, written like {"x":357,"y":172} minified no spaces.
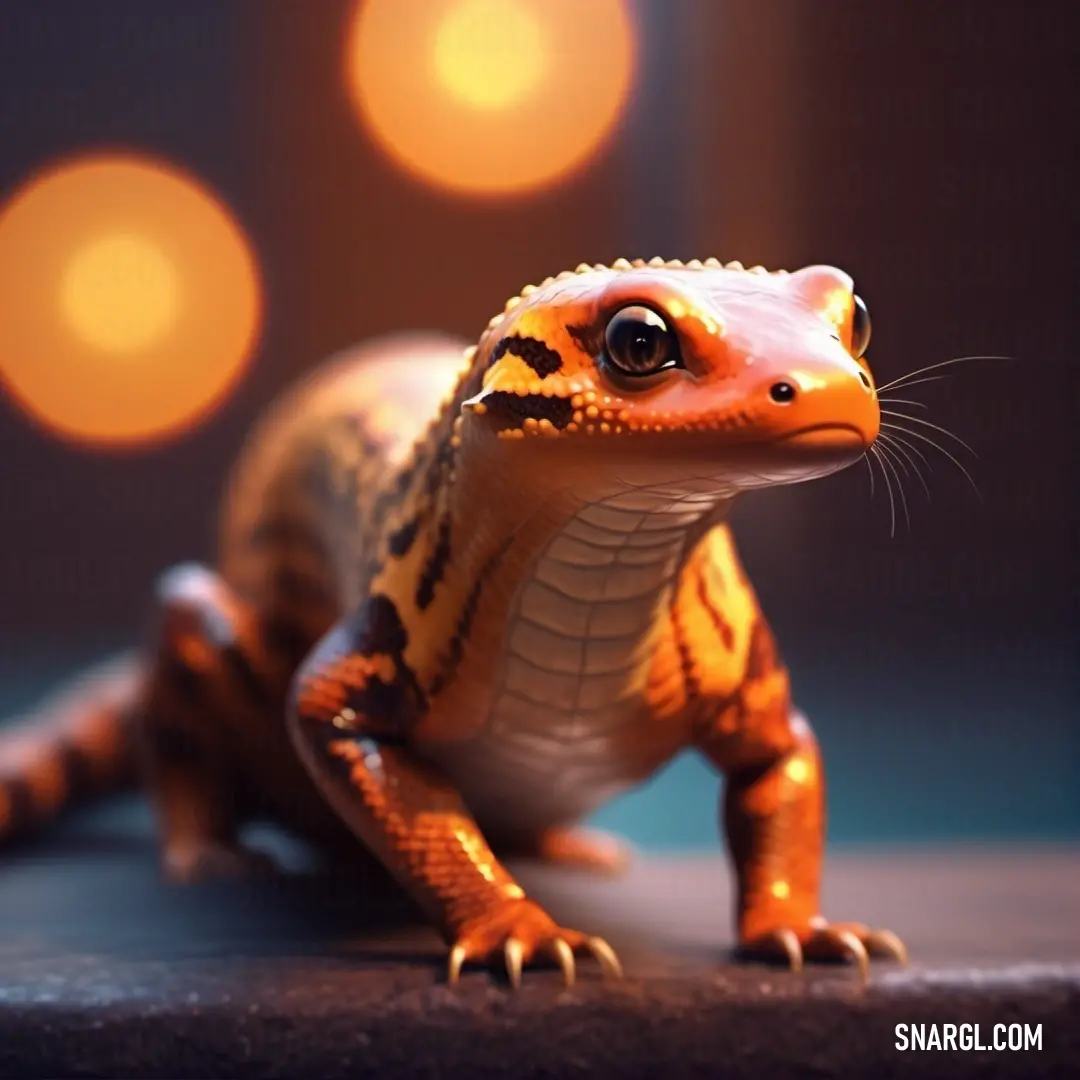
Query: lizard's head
{"x":759,"y":377}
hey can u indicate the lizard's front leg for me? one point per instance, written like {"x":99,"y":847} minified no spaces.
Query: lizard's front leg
{"x":411,"y":818}
{"x":774,"y":818}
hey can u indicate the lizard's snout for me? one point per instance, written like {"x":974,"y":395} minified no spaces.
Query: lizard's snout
{"x":829,"y":408}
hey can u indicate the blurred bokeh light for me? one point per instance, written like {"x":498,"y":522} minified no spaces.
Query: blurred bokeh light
{"x":491,"y":97}
{"x":131,"y":298}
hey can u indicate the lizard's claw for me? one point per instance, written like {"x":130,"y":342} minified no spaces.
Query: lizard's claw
{"x":520,"y":930}
{"x":826,"y":941}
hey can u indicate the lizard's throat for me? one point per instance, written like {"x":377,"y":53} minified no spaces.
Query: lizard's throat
{"x":617,"y":553}
{"x":593,"y":533}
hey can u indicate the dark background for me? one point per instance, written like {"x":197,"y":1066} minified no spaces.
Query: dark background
{"x":927,"y":148}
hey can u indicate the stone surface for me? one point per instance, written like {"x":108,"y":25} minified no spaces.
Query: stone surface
{"x":105,"y":971}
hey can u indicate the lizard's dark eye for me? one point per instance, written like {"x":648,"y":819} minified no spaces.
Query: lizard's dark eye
{"x":860,"y":329}
{"x":637,"y":342}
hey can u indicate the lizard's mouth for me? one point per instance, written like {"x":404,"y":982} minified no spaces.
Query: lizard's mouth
{"x":835,"y":437}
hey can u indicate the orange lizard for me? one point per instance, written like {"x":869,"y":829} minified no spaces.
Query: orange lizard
{"x":460,"y":604}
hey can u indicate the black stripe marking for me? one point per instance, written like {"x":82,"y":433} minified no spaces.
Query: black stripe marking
{"x":435,"y":567}
{"x":440,"y":465}
{"x":387,"y":708}
{"x":543,"y":359}
{"x":721,"y":625}
{"x":512,"y":410}
{"x":452,"y":657}
{"x":402,"y":539}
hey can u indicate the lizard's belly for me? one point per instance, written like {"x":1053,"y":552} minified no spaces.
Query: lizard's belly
{"x":567,"y":725}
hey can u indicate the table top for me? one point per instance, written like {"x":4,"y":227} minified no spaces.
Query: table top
{"x":106,"y":970}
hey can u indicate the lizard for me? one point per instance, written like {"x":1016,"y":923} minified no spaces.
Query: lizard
{"x":461,"y":602}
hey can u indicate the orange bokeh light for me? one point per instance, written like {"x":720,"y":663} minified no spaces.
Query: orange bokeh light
{"x":491,"y":97}
{"x":131,"y":300}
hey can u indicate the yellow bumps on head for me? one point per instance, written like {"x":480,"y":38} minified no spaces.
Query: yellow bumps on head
{"x":734,"y":265}
{"x":694,"y":264}
{"x":621,"y":264}
{"x":713,"y":263}
{"x":656,"y":260}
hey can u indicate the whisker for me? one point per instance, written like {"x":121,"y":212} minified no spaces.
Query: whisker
{"x":876,"y":451}
{"x":897,"y":385}
{"x":883,"y":438}
{"x":902,"y":401}
{"x":904,"y":459}
{"x":927,"y":423}
{"x":901,"y":441}
{"x":941,"y":449}
{"x":890,"y":458}
{"x":870,"y":470}
{"x":934,"y":367}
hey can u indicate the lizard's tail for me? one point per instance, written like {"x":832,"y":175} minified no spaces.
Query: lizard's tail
{"x":77,"y":745}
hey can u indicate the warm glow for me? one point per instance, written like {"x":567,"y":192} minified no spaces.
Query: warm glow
{"x":491,"y":97}
{"x":490,"y":53}
{"x":131,"y":300}
{"x":120,"y":293}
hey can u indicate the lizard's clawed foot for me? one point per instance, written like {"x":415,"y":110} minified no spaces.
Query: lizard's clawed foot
{"x":520,"y":930}
{"x":585,"y":849}
{"x":189,"y":863}
{"x":825,"y":941}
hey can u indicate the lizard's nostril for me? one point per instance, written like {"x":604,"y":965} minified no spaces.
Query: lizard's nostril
{"x":865,"y":380}
{"x":783,"y":393}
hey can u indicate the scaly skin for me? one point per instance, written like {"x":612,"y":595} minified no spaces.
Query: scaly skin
{"x":462,"y":601}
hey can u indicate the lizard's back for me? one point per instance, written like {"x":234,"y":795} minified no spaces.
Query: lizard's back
{"x":300,"y":523}
{"x":303,"y":509}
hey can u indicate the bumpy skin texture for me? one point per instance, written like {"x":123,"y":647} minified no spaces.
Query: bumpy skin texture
{"x":463,"y":600}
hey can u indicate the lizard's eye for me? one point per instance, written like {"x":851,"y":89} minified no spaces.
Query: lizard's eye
{"x":637,"y":342}
{"x":860,"y":329}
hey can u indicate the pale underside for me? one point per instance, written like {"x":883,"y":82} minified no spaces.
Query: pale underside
{"x":568,"y":725}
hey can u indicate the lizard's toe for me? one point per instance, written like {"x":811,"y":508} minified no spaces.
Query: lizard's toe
{"x":780,"y":945}
{"x":827,"y":942}
{"x":831,"y":943}
{"x":517,"y":932}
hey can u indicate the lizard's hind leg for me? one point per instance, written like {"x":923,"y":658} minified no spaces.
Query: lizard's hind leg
{"x":575,"y":847}
{"x":210,"y":676}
